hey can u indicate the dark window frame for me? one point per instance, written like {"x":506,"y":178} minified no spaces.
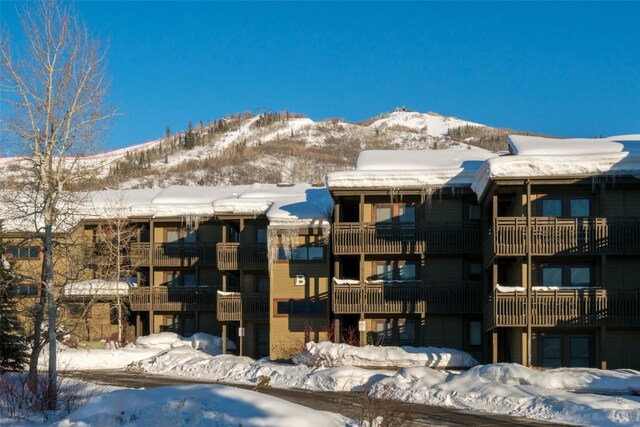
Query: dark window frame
{"x":277,"y":305}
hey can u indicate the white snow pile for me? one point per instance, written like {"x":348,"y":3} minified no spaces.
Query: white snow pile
{"x":412,"y":169}
{"x":329,"y":354}
{"x":166,"y":340}
{"x":142,"y":348}
{"x":565,"y":395}
{"x":197,"y":405}
{"x":539,"y":157}
{"x":97,"y":287}
{"x":187,"y":362}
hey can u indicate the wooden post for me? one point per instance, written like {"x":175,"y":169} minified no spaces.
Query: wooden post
{"x":336,"y":330}
{"x":363,"y":334}
{"x":603,"y":347}
{"x":494,"y":345}
{"x":151,"y":278}
{"x":529,"y":284}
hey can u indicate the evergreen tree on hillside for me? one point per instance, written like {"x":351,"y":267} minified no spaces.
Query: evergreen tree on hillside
{"x":13,"y":344}
{"x":190,"y":138}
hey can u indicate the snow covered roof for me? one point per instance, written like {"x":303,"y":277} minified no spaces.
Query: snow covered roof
{"x":97,"y":287}
{"x":534,"y":156}
{"x":412,"y":168}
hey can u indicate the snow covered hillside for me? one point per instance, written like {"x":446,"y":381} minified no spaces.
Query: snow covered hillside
{"x":270,"y":148}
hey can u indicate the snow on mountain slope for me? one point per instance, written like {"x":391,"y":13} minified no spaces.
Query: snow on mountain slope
{"x":246,"y":148}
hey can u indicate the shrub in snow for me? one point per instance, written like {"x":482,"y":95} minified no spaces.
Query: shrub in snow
{"x":330,"y":354}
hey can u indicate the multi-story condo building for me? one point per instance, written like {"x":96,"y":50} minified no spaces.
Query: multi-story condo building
{"x":561,"y":252}
{"x":527,"y":257}
{"x":406,"y":245}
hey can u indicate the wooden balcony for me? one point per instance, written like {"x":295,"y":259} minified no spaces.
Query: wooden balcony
{"x":564,"y":307}
{"x":236,"y":256}
{"x":559,"y":236}
{"x":351,"y":238}
{"x":406,"y":298}
{"x":172,"y":298}
{"x":173,"y":254}
{"x":236,"y":307}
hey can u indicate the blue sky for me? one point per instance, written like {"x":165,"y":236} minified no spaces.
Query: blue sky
{"x":565,"y":69}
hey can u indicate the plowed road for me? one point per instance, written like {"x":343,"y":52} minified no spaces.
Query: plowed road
{"x":352,"y":405}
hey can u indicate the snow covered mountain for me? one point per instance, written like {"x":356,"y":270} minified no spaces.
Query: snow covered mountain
{"x":276,"y":147}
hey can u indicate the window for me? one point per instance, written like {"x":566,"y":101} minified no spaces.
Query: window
{"x":566,"y":275}
{"x":551,"y":207}
{"x":301,"y":253}
{"x":300,"y":308}
{"x":579,"y":208}
{"x":396,"y":212}
{"x":474,"y":212}
{"x":179,"y":235}
{"x":393,"y":332}
{"x":180,"y":278}
{"x":475,"y":271}
{"x":396,"y":270}
{"x":27,"y":289}
{"x":181,"y":324}
{"x":113,"y":315}
{"x":76,"y":310}
{"x":568,"y":207}
{"x":566,"y":350}
{"x":475,"y":333}
{"x":261,"y":236}
{"x":262,"y":285}
{"x":24,"y":252}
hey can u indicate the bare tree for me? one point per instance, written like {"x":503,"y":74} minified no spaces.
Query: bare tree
{"x":53,"y":111}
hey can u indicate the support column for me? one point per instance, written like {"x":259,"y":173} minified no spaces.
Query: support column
{"x":603,"y":347}
{"x":529,"y":284}
{"x":336,"y":330}
{"x":363,"y":334}
{"x":223,"y":285}
{"x":494,"y":345}
{"x":151,"y":278}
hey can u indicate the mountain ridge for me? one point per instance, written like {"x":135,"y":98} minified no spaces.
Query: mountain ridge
{"x":274,"y":147}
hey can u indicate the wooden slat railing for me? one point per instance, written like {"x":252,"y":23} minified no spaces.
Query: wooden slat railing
{"x":405,"y":238}
{"x":236,"y":256}
{"x":174,"y":254}
{"x":237,"y":306}
{"x":554,"y":236}
{"x":565,"y":307}
{"x":172,"y":298}
{"x":406,"y":298}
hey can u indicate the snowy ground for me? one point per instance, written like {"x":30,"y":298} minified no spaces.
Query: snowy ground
{"x":578,"y":396}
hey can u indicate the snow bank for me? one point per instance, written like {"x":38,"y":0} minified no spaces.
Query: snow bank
{"x":514,"y":390}
{"x":187,"y":362}
{"x":198,"y":405}
{"x":330,"y":354}
{"x":167,"y":340}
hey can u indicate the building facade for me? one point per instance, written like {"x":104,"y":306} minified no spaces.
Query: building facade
{"x":527,"y":257}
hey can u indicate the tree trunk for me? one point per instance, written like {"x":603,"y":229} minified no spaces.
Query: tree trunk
{"x":36,"y":343}
{"x":52,"y":383}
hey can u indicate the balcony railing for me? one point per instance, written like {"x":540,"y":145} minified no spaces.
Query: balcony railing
{"x":405,"y":238}
{"x":406,"y":298}
{"x":236,"y":256}
{"x":172,"y":298}
{"x":565,"y":307}
{"x":173,"y":254}
{"x":234,"y":306}
{"x":554,"y":236}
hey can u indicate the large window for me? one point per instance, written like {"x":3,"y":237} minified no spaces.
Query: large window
{"x":301,"y":253}
{"x":300,"y":308}
{"x":568,"y":207}
{"x":393,"y":332}
{"x":180,"y":278}
{"x":395,"y":213}
{"x":24,"y":252}
{"x":565,"y":350}
{"x":396,"y":270}
{"x":179,"y":235}
{"x":565,"y":275}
